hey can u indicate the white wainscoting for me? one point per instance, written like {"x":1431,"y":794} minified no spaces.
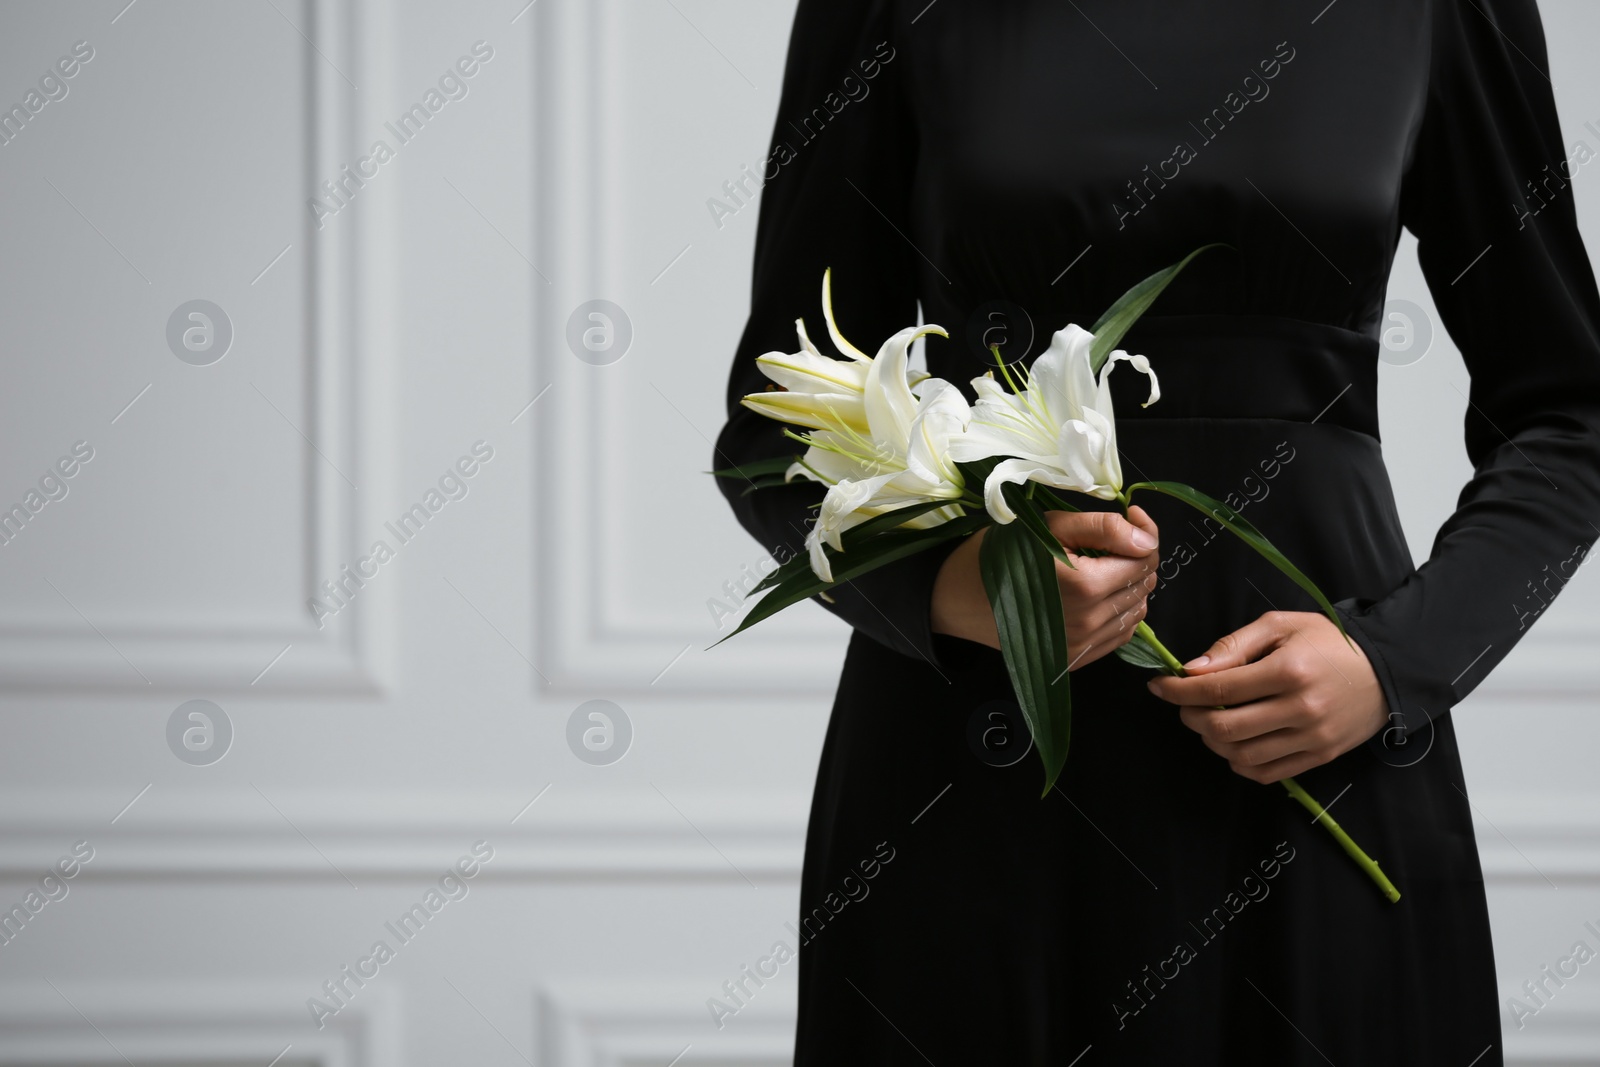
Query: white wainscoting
{"x":593,"y":630}
{"x":224,"y":896}
{"x":347,"y":271}
{"x":100,"y":1023}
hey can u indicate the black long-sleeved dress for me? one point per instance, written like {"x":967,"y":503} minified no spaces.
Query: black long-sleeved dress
{"x":1014,"y":165}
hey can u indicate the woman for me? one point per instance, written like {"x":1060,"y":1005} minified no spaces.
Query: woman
{"x":1013,"y":167}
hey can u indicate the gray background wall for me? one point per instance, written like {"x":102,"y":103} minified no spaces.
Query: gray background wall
{"x":438,"y":709}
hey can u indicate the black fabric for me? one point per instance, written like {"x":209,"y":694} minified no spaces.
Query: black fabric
{"x":1047,"y":156}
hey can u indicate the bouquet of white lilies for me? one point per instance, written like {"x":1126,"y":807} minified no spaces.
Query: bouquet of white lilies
{"x":909,"y":463}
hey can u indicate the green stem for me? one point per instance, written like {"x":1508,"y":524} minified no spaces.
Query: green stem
{"x":1353,"y":850}
{"x":1307,"y":801}
{"x":1173,"y":666}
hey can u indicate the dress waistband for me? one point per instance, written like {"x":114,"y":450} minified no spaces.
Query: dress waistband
{"x":1251,"y":367}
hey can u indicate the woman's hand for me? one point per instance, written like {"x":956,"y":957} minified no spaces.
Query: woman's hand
{"x":1101,"y":600}
{"x":1293,"y":696}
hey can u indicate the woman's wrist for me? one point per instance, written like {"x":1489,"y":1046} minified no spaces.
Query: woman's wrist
{"x":959,"y":606}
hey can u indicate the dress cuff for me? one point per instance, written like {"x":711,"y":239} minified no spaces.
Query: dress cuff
{"x":1404,"y":717}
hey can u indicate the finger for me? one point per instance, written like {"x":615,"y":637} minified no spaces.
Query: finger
{"x":1226,"y":728}
{"x":1105,"y":530}
{"x":1270,"y":757}
{"x":1264,"y":678}
{"x":1123,"y":601}
{"x":1248,"y":642}
{"x":1268,"y":748}
{"x":1105,"y":577}
{"x":1278,"y":770}
{"x":1141,"y":518}
{"x":1115,"y":631}
{"x":1108,"y":618}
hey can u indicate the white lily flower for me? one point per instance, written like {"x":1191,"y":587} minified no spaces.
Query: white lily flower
{"x":880,"y":432}
{"x":818,"y":392}
{"x":1059,"y":429}
{"x":902,"y":459}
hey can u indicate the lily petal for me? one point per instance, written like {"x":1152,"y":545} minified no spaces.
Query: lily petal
{"x":810,"y":372}
{"x":1013,"y":472}
{"x":1060,"y":381}
{"x":833,"y":327}
{"x":942,"y":414}
{"x":817,"y":412}
{"x":819,"y":559}
{"x":805,"y":338}
{"x":1140,"y":364}
{"x":887,"y":396}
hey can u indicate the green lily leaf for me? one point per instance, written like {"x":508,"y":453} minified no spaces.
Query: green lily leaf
{"x":795,"y":564}
{"x":1242,"y":528}
{"x":770,"y":481}
{"x":890,"y":520}
{"x":1110,"y":328}
{"x":976,"y":472}
{"x":757,"y":468}
{"x":1032,"y":518}
{"x":851,"y":538}
{"x":1020,"y":579}
{"x":857,"y":559}
{"x":1054,"y":501}
{"x":1139,"y":653}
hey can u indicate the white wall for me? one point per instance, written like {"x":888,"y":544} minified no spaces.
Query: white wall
{"x":370,"y":754}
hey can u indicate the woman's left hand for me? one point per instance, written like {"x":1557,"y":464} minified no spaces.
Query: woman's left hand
{"x":1292,"y":695}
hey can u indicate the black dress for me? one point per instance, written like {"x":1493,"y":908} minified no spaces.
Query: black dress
{"x":1024,"y":161}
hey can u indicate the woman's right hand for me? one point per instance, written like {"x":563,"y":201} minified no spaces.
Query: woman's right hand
{"x":1101,"y":600}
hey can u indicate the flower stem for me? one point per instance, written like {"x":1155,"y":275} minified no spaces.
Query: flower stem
{"x":1173,"y":666}
{"x":1307,"y":801}
{"x":1353,"y":850}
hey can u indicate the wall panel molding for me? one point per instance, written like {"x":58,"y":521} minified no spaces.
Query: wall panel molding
{"x":588,"y":1024}
{"x":584,"y":649}
{"x":568,"y":834}
{"x":1565,"y":1031}
{"x":109,"y":1023}
{"x":622,"y":836}
{"x":350,"y":272}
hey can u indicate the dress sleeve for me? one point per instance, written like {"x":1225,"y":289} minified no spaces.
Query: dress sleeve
{"x":1488,"y":194}
{"x":836,"y":194}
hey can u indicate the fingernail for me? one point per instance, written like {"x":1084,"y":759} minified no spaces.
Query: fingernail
{"x":1151,"y":685}
{"x":1142,"y":540}
{"x":1198,"y":661}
